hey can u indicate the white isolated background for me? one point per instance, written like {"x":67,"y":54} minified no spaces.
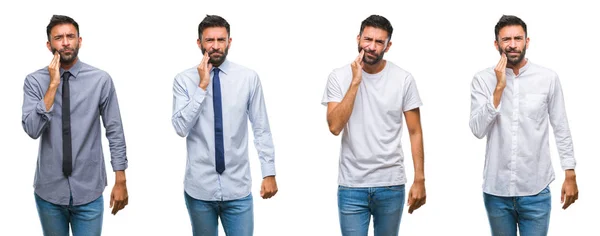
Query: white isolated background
{"x":294,"y":46}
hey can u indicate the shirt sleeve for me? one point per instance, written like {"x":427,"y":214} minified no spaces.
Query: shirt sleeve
{"x":111,"y":118}
{"x":483,"y":112}
{"x":35,"y":117}
{"x":411,"y":99}
{"x":333,"y":91}
{"x":187,"y":104}
{"x":560,"y":125}
{"x":263,"y":141}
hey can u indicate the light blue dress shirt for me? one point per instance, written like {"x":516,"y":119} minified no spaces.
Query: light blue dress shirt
{"x":193,"y":118}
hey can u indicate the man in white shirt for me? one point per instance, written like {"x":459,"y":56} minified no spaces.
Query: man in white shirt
{"x":511,"y":105}
{"x":367,"y":100}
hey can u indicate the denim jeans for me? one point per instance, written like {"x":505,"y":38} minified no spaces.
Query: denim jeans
{"x":85,"y":220}
{"x":356,"y":205}
{"x":531,"y":214}
{"x":237,"y":216}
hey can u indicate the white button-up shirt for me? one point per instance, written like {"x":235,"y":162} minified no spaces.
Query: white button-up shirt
{"x":517,"y":159}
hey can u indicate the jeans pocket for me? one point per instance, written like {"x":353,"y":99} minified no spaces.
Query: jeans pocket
{"x":545,"y":191}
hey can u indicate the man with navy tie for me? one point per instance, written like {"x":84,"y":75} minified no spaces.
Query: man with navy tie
{"x":212,"y":104}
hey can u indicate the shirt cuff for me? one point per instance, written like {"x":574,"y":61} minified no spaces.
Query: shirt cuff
{"x":568,"y":164}
{"x":493,"y":109}
{"x":41,"y":109}
{"x":198,"y":97}
{"x":268,"y":169}
{"x":119,"y":165}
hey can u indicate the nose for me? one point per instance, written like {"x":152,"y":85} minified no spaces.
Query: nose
{"x":65,"y":41}
{"x":512,"y":43}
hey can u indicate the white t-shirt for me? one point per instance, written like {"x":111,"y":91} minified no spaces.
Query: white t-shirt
{"x":371,"y":153}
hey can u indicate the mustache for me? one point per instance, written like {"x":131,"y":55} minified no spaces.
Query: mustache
{"x":213,"y":51}
{"x":54,"y":50}
{"x":512,"y":50}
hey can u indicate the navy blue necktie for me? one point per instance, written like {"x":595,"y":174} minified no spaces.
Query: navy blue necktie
{"x":219,"y":147}
{"x":66,"y":125}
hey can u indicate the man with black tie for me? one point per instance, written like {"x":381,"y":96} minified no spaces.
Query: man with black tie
{"x":63,"y":104}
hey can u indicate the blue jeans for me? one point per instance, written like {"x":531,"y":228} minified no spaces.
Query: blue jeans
{"x":356,"y":205}
{"x":531,"y":214}
{"x":237,"y":216}
{"x":84,"y":219}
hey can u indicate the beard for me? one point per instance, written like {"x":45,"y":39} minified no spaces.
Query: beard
{"x":370,"y":61}
{"x":67,"y":58}
{"x":216,"y":60}
{"x":513,"y":60}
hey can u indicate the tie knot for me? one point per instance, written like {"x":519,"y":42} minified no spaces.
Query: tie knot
{"x":216,"y":70}
{"x":66,"y":75}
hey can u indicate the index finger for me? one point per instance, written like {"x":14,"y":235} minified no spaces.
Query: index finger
{"x":204,"y":59}
{"x":55,"y":58}
{"x":360,"y":56}
{"x":503,"y":60}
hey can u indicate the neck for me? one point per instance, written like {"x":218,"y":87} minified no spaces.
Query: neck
{"x":68,"y":66}
{"x":517,"y":67}
{"x":374,"y":69}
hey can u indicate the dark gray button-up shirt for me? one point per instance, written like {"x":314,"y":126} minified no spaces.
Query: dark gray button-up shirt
{"x":92,"y":96}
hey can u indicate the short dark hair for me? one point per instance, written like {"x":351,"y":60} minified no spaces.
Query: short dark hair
{"x":508,"y":20}
{"x":212,"y":21}
{"x":59,"y":20}
{"x":379,"y":22}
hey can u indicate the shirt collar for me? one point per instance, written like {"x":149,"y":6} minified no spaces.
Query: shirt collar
{"x":74,"y":70}
{"x":225,"y":67}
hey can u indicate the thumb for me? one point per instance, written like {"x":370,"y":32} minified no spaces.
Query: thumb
{"x":409,"y":202}
{"x":112,"y":199}
{"x":262,"y":190}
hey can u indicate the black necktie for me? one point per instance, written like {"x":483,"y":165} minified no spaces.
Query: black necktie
{"x":66,"y":125}
{"x":219,"y":149}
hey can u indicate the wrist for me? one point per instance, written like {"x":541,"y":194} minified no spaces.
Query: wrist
{"x":203,"y":86}
{"x":570,"y":174}
{"x":419,"y":179}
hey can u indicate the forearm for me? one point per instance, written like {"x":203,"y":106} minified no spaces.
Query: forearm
{"x":111,"y":118}
{"x":35,"y":117}
{"x":498,"y":95}
{"x":186,"y":110}
{"x":483,"y":114}
{"x":416,"y":143}
{"x":339,"y":116}
{"x":49,"y":96}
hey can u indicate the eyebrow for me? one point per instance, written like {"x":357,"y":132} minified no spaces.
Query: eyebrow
{"x":515,"y":37}
{"x":61,"y":35}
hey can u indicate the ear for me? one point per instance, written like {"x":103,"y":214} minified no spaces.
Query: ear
{"x":496,"y":45}
{"x":229,"y":43}
{"x":80,"y":40}
{"x":358,"y":39}
{"x":199,"y":42}
{"x":527,"y":43}
{"x":49,"y":46}
{"x":387,"y":47}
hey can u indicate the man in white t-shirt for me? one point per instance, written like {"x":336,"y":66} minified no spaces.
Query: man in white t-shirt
{"x":367,"y":100}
